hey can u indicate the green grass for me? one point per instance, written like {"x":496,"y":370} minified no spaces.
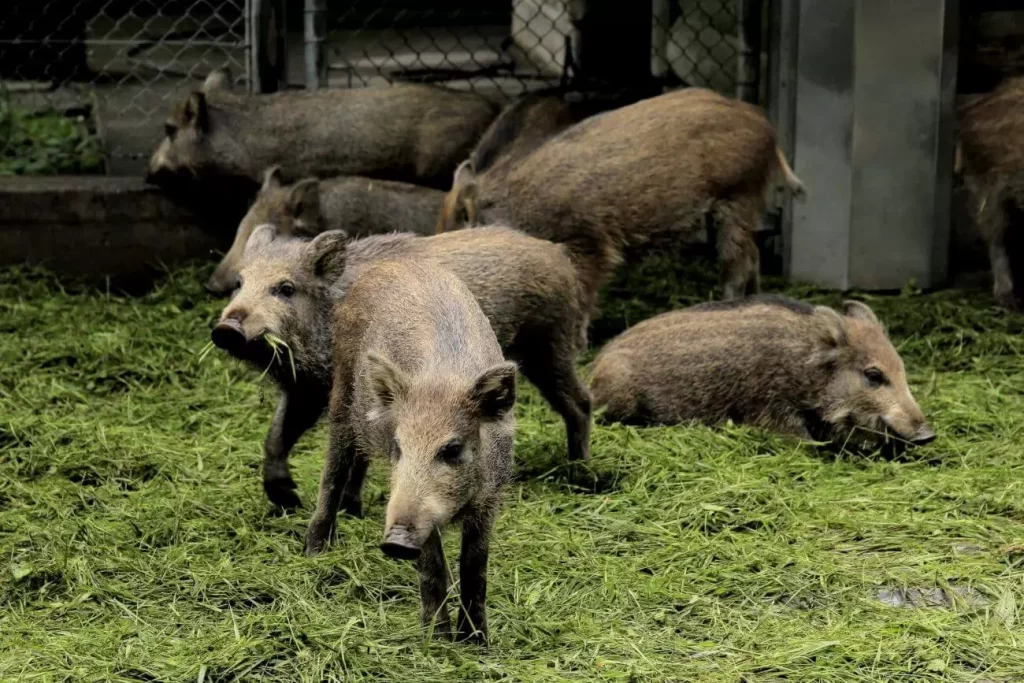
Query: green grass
{"x":136,"y":543}
{"x":45,"y":143}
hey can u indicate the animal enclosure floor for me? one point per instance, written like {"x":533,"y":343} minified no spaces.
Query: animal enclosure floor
{"x":136,"y":544}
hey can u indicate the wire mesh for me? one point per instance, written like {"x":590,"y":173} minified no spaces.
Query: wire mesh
{"x":113,"y":66}
{"x":375,"y":42}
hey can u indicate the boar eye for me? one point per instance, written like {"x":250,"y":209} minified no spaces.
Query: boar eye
{"x":396,"y":449}
{"x":875,"y":377}
{"x":450,"y":452}
{"x":170,"y":129}
{"x":285,"y":289}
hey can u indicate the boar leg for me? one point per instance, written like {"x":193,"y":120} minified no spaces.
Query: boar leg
{"x":294,"y":416}
{"x":433,"y":573}
{"x":737,"y":251}
{"x":476,"y":535}
{"x":560,"y":386}
{"x":352,"y":495}
{"x":341,"y":456}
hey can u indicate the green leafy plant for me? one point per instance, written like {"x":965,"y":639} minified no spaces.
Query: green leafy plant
{"x":45,"y":143}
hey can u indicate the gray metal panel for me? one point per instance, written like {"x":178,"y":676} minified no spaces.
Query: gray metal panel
{"x":824,"y":128}
{"x":898,"y":107}
{"x":874,"y":129}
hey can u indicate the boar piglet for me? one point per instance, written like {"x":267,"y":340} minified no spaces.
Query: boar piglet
{"x":419,"y":379}
{"x":412,"y":133}
{"x":283,"y":293}
{"x":527,"y":288}
{"x":767,"y":361}
{"x":669,"y":164}
{"x":358,"y":205}
{"x":990,"y":157}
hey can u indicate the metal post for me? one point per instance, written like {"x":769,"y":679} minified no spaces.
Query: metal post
{"x":874,"y":142}
{"x":315,"y":28}
{"x":783,"y":24}
{"x":748,"y":61}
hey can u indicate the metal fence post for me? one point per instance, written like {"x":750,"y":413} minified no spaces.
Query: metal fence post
{"x":315,"y":28}
{"x":748,"y":61}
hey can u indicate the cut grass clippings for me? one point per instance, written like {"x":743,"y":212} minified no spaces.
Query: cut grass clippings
{"x":137,"y":544}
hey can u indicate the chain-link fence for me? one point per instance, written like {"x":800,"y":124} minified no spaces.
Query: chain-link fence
{"x":373,"y":42}
{"x":76,"y":75}
{"x":86,"y":84}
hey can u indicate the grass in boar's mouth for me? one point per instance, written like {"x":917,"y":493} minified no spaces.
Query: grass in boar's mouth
{"x":276,"y":344}
{"x":137,"y":543}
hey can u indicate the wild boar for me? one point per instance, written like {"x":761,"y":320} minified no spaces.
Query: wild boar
{"x":767,"y":361}
{"x":527,"y":288}
{"x":358,"y":205}
{"x":990,"y":158}
{"x":419,"y":379}
{"x":411,"y":133}
{"x":520,"y":128}
{"x":666,"y":164}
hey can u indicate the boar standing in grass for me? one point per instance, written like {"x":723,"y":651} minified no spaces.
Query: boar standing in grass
{"x":411,"y":133}
{"x":527,"y":288}
{"x":990,"y":157}
{"x":358,"y":205}
{"x":767,"y":361}
{"x":666,"y":164}
{"x":419,"y":379}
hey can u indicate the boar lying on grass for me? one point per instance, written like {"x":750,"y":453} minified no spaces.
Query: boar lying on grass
{"x":664,"y":164}
{"x":412,"y":133}
{"x":360,"y":206}
{"x":766,"y":361}
{"x":526,"y":287}
{"x":990,"y":157}
{"x":419,"y":378}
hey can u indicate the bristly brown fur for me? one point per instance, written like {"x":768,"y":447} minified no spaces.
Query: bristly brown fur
{"x":990,"y":156}
{"x":411,"y":133}
{"x":772,"y":362}
{"x":664,"y":164}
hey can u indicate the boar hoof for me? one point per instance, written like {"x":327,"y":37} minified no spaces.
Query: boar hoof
{"x":353,"y":507}
{"x":316,"y":539}
{"x":475,"y":637}
{"x":281,"y":493}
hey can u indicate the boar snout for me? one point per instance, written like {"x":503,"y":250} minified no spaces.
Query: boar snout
{"x":401,"y":543}
{"x":923,"y":436}
{"x":229,"y":335}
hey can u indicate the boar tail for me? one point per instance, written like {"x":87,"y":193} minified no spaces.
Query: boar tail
{"x":792,"y":182}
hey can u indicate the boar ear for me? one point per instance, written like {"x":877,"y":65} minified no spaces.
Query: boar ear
{"x":831,"y":330}
{"x":219,"y":79}
{"x":195,"y":113}
{"x":464,"y":173}
{"x":326,"y":254}
{"x":388,"y":382}
{"x":860,"y":310}
{"x":261,"y":237}
{"x":494,"y":391}
{"x":272,"y":178}
{"x":304,"y":205}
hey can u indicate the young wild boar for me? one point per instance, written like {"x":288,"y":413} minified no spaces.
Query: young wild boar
{"x":360,"y":206}
{"x":419,"y":379}
{"x":412,"y":133}
{"x":668,"y":163}
{"x":527,"y":288}
{"x":990,"y":157}
{"x":767,"y":361}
